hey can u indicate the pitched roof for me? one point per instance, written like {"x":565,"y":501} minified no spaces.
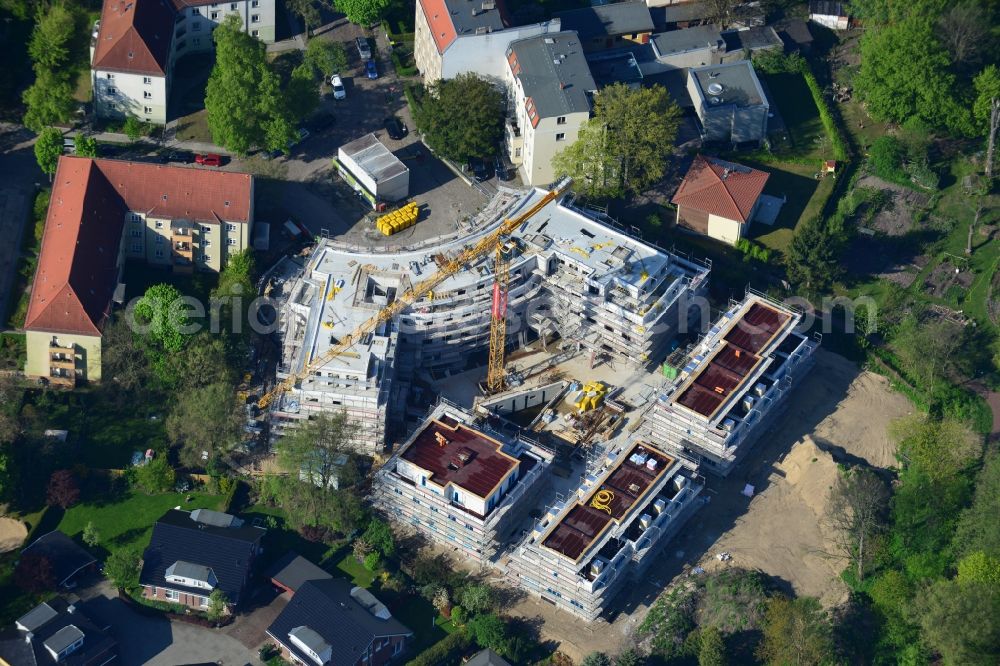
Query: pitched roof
{"x":328,"y":608}
{"x":135,"y":36}
{"x":63,"y":625}
{"x":292,"y":571}
{"x":64,"y":554}
{"x":620,"y":18}
{"x":78,"y":264}
{"x":487,"y":658}
{"x":451,"y":19}
{"x":227,"y":551}
{"x":553,"y":72}
{"x":721,"y":188}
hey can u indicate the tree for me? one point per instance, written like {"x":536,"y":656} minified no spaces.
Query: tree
{"x":52,"y":39}
{"x":712,"y":650}
{"x":34,"y":573}
{"x":372,"y":561}
{"x":156,"y":476}
{"x":940,"y":448}
{"x":218,"y":605}
{"x":629,"y":657}
{"x":461,"y":118}
{"x":479,"y":598}
{"x":91,"y":535}
{"x":63,"y":490}
{"x":362,"y":12}
{"x":987,"y":85}
{"x":48,"y":149}
{"x":621,"y":149}
{"x":325,"y":57}
{"x":379,"y":535}
{"x":441,"y":601}
{"x":857,"y":512}
{"x":978,"y":529}
{"x":489,"y":631}
{"x":979,"y":568}
{"x":122,"y":359}
{"x":161,"y":310}
{"x":961,"y":622}
{"x":361,"y":548}
{"x":964,"y":31}
{"x":302,"y":92}
{"x":49,"y":100}
{"x":813,"y":257}
{"x":795,"y":631}
{"x":906,"y":72}
{"x":133,"y":128}
{"x":308,"y":11}
{"x":596,"y":659}
{"x":316,"y":450}
{"x":243,"y":98}
{"x":86,"y":146}
{"x":204,"y":421}
{"x":122,"y":568}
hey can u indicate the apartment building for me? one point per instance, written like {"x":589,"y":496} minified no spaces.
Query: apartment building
{"x":138,"y":42}
{"x":549,"y":97}
{"x":729,"y":102}
{"x":733,"y":383}
{"x":453,"y":37}
{"x":586,"y":547}
{"x":461,"y":483}
{"x":103,"y":212}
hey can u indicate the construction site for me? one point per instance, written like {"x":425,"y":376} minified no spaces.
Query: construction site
{"x":522,"y":390}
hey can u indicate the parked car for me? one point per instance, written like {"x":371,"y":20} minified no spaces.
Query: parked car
{"x":500,"y":166}
{"x":209,"y":159}
{"x":370,"y":69}
{"x":364,"y":50}
{"x":69,"y":145}
{"x":182,"y":156}
{"x":481,"y":170}
{"x":321,"y":122}
{"x":338,"y":87}
{"x":395,"y":127}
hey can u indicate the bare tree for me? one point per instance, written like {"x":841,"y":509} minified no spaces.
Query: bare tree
{"x":720,"y":12}
{"x":857,"y":511}
{"x":964,"y":31}
{"x":991,"y":146}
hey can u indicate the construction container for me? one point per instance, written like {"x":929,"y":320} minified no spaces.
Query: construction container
{"x":399,"y":219}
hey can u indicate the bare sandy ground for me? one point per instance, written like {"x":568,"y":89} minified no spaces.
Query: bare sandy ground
{"x":837,"y":414}
{"x":12,"y":534}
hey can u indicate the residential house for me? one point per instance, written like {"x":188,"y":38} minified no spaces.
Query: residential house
{"x":293,"y":571}
{"x":57,"y":632}
{"x":66,"y":557}
{"x":331,"y":622}
{"x":103,"y":212}
{"x":729,"y":102}
{"x":193,"y":554}
{"x":693,"y":47}
{"x":751,"y":41}
{"x":139,"y":41}
{"x":452,"y":37}
{"x":831,"y":14}
{"x":549,"y":97}
{"x":487,"y":658}
{"x":719,"y":199}
{"x":609,"y":26}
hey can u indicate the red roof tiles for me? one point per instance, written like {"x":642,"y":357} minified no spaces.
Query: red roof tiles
{"x":135,"y":36}
{"x":78,"y":263}
{"x":721,"y":188}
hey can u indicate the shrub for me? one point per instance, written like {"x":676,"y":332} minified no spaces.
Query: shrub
{"x":445,"y":652}
{"x":885,"y":157}
{"x":373,"y":561}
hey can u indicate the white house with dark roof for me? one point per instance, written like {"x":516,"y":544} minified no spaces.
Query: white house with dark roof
{"x":549,"y":97}
{"x":730,"y":102}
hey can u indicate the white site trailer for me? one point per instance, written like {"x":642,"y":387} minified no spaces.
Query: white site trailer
{"x":373,"y":171}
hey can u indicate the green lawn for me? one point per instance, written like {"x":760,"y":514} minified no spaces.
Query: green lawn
{"x":355,"y":570}
{"x":791,"y":95}
{"x":805,"y":199}
{"x":130,"y":521}
{"x":83,"y":85}
{"x":427,"y":624}
{"x":194,"y":127}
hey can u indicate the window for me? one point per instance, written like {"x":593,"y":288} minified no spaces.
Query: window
{"x":203,"y":602}
{"x":255,"y":33}
{"x":136,"y":233}
{"x":232,"y":6}
{"x":230,"y":227}
{"x":159,"y":240}
{"x":135,"y":217}
{"x":147,"y":95}
{"x":230,"y":241}
{"x":561,"y":120}
{"x":172,"y":595}
{"x":112,"y":91}
{"x":206,"y":243}
{"x":206,"y":257}
{"x":159,"y":225}
{"x":147,"y":80}
{"x":109,"y":77}
{"x":196,"y":11}
{"x":255,"y":3}
{"x":517,"y":152}
{"x":214,"y":15}
{"x":159,"y":253}
{"x":136,"y":247}
{"x":561,"y":136}
{"x":255,"y":18}
{"x":196,"y":41}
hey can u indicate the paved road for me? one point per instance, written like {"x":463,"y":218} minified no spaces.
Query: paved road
{"x":17,"y":188}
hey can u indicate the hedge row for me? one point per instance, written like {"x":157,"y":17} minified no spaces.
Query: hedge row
{"x":840,"y":151}
{"x":448,"y":650}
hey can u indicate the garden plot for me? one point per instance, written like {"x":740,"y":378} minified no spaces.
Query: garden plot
{"x":897,"y":216}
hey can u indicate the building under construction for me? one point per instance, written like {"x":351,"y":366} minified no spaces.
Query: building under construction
{"x":461,"y":483}
{"x":572,"y":277}
{"x":732,"y":384}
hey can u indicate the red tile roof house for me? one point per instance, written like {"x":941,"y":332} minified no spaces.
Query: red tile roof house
{"x":719,"y":199}
{"x":134,"y":50}
{"x":103,"y":212}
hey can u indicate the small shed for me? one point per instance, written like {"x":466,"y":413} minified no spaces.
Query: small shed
{"x":829,"y":13}
{"x":373,"y":171}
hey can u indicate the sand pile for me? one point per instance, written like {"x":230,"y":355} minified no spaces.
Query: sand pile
{"x":12,"y":534}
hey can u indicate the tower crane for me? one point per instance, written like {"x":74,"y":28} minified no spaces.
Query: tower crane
{"x":490,"y":242}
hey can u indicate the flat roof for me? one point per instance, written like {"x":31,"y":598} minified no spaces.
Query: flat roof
{"x":610,"y":501}
{"x":619,"y":18}
{"x":618,"y":68}
{"x":374,"y":158}
{"x":691,"y":39}
{"x":455,"y":453}
{"x":752,"y":39}
{"x":738,"y":80}
{"x":711,"y":385}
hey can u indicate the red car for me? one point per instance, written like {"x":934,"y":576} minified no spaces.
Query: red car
{"x":210,"y":159}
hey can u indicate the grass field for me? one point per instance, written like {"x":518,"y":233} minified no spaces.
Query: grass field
{"x":789,"y":92}
{"x":194,"y":127}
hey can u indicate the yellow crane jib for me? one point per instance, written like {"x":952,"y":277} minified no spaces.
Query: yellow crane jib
{"x":448,"y":268}
{"x":602,"y":500}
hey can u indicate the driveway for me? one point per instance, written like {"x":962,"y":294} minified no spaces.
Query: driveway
{"x":154,"y":641}
{"x":21,"y":177}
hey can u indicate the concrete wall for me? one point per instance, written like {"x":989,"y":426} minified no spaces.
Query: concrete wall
{"x":541,"y":143}
{"x":425,"y":53}
{"x":117,"y":95}
{"x":87,"y":348}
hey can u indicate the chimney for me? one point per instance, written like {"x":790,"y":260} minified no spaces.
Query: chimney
{"x":28,"y":637}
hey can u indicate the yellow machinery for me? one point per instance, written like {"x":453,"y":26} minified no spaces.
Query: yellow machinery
{"x":446,"y":269}
{"x":399,"y":219}
{"x":496,"y":372}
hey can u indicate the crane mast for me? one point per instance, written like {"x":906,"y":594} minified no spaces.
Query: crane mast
{"x":495,"y":375}
{"x":490,"y":242}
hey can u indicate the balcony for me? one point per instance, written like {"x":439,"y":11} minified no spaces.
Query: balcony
{"x":62,"y":377}
{"x":62,"y":361}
